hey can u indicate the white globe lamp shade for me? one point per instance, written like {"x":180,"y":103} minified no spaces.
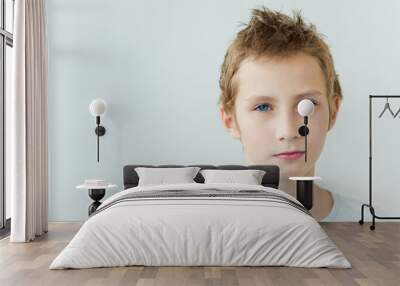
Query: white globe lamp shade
{"x":98,"y":107}
{"x":305,"y":107}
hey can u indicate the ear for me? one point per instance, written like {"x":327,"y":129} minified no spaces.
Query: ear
{"x":229,"y":122}
{"x":335,"y":105}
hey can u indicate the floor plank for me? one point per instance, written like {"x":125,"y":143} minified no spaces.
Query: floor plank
{"x":374,"y":255}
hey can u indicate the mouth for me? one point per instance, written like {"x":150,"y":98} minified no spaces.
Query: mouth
{"x":292,"y":155}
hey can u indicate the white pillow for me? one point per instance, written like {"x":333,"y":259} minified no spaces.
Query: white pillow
{"x":249,"y":177}
{"x":162,"y":176}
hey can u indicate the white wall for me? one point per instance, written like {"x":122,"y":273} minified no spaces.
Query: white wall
{"x":157,"y":65}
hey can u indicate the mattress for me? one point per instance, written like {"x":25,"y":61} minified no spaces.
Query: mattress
{"x":200,"y":225}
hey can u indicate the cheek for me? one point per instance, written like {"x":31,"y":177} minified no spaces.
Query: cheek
{"x":318,"y":131}
{"x":255,"y":130}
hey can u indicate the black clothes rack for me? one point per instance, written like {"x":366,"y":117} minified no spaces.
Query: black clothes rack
{"x":369,"y":205}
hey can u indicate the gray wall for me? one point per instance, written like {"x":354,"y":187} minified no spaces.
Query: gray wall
{"x":157,"y":64}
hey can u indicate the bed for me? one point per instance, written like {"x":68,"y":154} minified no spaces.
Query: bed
{"x":201,"y":224}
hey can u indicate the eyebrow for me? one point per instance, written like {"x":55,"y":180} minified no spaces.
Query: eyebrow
{"x":272,"y":98}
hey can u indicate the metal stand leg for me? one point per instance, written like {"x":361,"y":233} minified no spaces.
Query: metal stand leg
{"x":374,"y":216}
{"x":361,"y":221}
{"x":371,"y":209}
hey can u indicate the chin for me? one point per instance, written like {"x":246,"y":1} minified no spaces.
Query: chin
{"x":286,"y":169}
{"x":291,"y":171}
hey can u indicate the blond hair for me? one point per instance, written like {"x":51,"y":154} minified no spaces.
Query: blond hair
{"x":271,"y":33}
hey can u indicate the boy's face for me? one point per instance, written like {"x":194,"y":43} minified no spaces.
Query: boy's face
{"x":265,"y":115}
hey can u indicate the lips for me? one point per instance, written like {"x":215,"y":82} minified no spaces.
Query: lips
{"x":290,"y":155}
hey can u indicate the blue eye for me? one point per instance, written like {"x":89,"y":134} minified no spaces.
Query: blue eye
{"x":263,"y":107}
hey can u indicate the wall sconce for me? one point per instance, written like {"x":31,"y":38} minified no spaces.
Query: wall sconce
{"x":305,"y":108}
{"x":97,"y":108}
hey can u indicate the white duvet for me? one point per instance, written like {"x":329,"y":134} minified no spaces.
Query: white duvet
{"x":200,"y":231}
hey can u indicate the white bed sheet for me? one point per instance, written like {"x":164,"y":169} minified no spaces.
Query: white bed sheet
{"x":193,"y":231}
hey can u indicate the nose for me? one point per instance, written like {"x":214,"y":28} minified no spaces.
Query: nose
{"x":288,"y":124}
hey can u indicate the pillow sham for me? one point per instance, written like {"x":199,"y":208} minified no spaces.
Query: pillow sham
{"x":249,"y":177}
{"x":162,"y":176}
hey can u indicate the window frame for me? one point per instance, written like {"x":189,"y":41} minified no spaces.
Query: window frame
{"x":6,"y":39}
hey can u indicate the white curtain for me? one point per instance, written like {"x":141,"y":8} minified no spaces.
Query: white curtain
{"x":27,"y":118}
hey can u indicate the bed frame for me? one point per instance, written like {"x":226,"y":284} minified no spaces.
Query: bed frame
{"x":270,"y":179}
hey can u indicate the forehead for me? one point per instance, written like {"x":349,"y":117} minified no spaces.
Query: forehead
{"x":280,"y":77}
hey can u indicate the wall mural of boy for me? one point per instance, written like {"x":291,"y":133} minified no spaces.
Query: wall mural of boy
{"x":271,"y":65}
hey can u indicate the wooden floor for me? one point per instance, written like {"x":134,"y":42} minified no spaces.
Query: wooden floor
{"x":374,"y":255}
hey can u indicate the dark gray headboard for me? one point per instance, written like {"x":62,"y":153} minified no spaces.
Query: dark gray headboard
{"x":271,"y":177}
